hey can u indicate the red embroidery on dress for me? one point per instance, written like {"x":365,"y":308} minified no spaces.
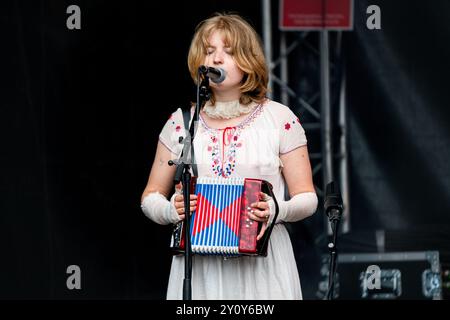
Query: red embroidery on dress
{"x":227,"y":134}
{"x":287,"y":126}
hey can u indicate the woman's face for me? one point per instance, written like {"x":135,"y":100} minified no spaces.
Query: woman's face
{"x":220,"y":56}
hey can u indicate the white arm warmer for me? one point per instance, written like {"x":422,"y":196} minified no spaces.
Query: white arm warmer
{"x":299,"y":207}
{"x":159,"y":209}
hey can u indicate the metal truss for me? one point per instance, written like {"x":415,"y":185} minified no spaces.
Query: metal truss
{"x":323,"y":118}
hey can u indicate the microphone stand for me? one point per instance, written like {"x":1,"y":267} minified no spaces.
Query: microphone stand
{"x":182,"y":173}
{"x":333,"y":208}
{"x":332,"y":249}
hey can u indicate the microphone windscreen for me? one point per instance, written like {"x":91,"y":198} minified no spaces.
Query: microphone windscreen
{"x":218,"y":78}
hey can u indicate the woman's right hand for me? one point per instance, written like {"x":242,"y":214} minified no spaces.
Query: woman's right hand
{"x":179,"y":204}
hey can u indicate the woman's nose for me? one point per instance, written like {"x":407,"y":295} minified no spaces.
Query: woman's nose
{"x":218,"y":57}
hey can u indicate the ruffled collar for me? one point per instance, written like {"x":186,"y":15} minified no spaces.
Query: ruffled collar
{"x":228,"y":109}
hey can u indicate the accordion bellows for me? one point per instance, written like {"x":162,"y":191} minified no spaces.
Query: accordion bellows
{"x":220,"y":224}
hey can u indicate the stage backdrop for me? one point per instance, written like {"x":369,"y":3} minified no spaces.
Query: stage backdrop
{"x":81,"y":110}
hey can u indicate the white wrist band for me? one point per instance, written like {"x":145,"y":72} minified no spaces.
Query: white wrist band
{"x":162,"y":211}
{"x":299,"y":207}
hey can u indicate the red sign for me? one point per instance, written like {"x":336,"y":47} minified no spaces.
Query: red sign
{"x":316,"y":15}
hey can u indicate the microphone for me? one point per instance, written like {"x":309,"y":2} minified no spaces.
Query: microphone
{"x":333,"y":202}
{"x":217,"y":75}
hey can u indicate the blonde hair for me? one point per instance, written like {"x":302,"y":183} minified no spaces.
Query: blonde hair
{"x":247,"y":52}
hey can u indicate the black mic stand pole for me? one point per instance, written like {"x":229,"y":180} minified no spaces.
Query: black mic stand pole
{"x":333,"y":209}
{"x":183,"y":174}
{"x":332,"y":248}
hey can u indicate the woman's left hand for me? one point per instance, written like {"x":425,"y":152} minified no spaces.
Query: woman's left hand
{"x":260,"y":211}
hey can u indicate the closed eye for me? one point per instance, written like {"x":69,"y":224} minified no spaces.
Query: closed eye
{"x":228,"y":50}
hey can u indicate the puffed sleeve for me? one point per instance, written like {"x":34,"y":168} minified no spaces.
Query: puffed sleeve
{"x":172,"y":131}
{"x":292,"y":134}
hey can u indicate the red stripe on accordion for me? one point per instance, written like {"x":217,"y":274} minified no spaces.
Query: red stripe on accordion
{"x":207,"y":214}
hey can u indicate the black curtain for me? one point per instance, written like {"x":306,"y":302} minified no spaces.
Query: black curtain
{"x":399,"y":120}
{"x":81,"y":111}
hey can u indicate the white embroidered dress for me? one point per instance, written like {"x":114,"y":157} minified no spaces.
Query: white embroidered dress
{"x":249,"y":150}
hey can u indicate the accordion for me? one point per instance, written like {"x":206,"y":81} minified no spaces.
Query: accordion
{"x":220,"y":225}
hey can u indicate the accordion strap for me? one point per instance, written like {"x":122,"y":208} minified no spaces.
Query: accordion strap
{"x":264,"y":242}
{"x":186,"y":119}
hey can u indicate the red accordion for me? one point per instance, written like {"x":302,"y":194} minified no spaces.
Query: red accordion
{"x":220,"y":225}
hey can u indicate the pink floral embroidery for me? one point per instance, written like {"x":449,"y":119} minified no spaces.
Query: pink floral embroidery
{"x":174,"y":124}
{"x":287,"y":126}
{"x":226,"y":167}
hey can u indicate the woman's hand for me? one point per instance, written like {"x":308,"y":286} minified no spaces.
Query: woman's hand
{"x":179,"y":204}
{"x":260,"y":211}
